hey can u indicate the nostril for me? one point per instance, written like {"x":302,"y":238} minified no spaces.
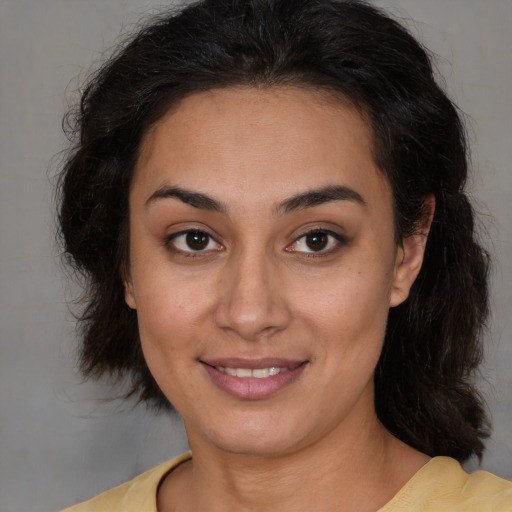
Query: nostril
{"x":250,"y":319}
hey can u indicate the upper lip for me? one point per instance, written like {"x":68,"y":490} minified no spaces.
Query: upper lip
{"x":252,"y":364}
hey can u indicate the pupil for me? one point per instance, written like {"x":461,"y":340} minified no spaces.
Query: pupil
{"x":317,"y":241}
{"x":197,"y":240}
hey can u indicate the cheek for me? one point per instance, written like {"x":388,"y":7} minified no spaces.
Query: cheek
{"x":354,"y":298}
{"x":168,"y":301}
{"x":170,"y":338}
{"x":167,"y":312}
{"x":349,"y":322}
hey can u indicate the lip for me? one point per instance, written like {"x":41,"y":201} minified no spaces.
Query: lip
{"x":252,"y":388}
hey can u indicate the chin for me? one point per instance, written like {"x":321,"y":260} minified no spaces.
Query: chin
{"x":258,"y":435}
{"x":257,"y":444}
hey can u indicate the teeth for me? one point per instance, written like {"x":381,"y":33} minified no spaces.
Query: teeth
{"x":257,"y":373}
{"x":261,"y":373}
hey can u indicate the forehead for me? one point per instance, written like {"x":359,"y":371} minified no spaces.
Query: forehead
{"x":275,"y":141}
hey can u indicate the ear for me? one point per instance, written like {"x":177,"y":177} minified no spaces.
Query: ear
{"x":129,"y":295}
{"x":409,"y":256}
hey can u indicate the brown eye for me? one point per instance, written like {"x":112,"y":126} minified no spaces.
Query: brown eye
{"x":317,"y":241}
{"x":197,"y":240}
{"x":192,"y":241}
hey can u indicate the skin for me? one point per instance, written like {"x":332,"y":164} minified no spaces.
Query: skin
{"x":257,"y":290}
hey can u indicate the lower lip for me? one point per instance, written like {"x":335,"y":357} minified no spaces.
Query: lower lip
{"x":251,"y":388}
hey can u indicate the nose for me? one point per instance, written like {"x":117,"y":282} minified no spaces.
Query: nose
{"x":252,"y":298}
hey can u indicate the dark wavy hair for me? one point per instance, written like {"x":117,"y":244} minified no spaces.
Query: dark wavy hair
{"x":424,"y":380}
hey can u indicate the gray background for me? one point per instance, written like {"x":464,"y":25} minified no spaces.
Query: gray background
{"x":61,"y":441}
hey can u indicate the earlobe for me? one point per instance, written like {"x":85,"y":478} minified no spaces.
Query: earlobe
{"x":410,"y":253}
{"x":129,"y":296}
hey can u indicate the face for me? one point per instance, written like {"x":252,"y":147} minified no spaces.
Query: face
{"x":263,"y":266}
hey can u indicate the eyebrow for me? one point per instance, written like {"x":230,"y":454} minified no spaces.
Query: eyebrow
{"x":320,"y":196}
{"x":300,"y":201}
{"x":195,"y":199}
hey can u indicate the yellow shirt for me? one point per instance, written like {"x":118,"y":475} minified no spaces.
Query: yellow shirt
{"x":439,"y":486}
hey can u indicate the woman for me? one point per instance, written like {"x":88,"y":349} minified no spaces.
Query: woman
{"x":268,"y":200}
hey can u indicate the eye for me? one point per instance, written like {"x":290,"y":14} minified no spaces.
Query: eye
{"x":317,"y":241}
{"x":192,"y":241}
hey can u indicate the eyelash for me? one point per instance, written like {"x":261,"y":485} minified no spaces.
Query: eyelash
{"x":170,"y":243}
{"x":338,"y":242}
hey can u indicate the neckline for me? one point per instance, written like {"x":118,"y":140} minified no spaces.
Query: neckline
{"x":402,"y":500}
{"x":408,"y":494}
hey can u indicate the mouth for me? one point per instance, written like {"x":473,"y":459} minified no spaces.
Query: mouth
{"x":253,"y":379}
{"x":256,"y":373}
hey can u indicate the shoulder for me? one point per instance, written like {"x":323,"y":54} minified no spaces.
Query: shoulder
{"x":137,"y":495}
{"x":487,"y":490}
{"x":442,"y":484}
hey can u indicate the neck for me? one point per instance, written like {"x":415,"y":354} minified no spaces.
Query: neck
{"x":350,"y":469}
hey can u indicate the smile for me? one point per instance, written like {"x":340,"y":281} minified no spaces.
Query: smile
{"x":257,"y":373}
{"x":253,"y":379}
